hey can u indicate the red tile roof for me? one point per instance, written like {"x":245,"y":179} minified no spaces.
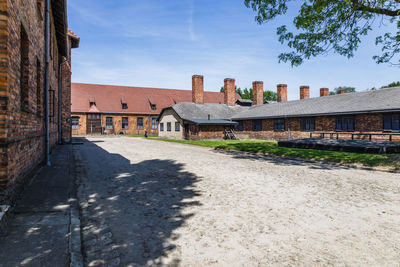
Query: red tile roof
{"x":73,"y":34}
{"x":109,"y":98}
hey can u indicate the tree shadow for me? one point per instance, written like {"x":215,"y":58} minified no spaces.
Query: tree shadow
{"x":142,"y":204}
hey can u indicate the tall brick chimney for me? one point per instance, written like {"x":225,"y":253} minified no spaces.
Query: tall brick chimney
{"x":198,"y":89}
{"x":282,"y":93}
{"x":258,"y":93}
{"x":341,"y":92}
{"x":229,"y":92}
{"x":324,"y":92}
{"x":304,"y":92}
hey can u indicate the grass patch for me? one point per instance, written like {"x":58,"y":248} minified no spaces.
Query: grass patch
{"x":271,"y":148}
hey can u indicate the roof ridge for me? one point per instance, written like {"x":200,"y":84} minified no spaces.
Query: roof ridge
{"x":144,"y":87}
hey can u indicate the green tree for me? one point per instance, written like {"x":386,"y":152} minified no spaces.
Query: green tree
{"x":248,"y":94}
{"x":390,"y":85}
{"x":270,"y":96}
{"x":237,"y":90}
{"x":322,"y":26}
{"x":347,"y":89}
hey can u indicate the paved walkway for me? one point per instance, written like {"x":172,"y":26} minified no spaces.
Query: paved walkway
{"x":38,"y":231}
{"x":152,"y":203}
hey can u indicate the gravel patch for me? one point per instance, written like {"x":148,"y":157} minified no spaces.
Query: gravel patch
{"x":171,"y":204}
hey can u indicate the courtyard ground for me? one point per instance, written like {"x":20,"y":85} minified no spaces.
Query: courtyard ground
{"x":147,"y":202}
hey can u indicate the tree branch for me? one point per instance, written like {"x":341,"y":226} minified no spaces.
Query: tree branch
{"x":388,"y":12}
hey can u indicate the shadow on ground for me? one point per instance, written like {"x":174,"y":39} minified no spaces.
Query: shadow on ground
{"x":37,"y":230}
{"x":281,"y":160}
{"x":142,"y":203}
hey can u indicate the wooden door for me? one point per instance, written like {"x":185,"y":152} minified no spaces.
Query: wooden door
{"x":94,"y":123}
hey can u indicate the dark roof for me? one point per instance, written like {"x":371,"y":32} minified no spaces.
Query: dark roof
{"x":75,"y":40}
{"x":213,"y":122}
{"x":192,"y":111}
{"x":59,"y":8}
{"x":383,"y":100}
{"x":109,"y":98}
{"x":244,"y":101}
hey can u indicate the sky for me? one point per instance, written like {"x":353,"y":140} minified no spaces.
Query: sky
{"x":162,"y":43}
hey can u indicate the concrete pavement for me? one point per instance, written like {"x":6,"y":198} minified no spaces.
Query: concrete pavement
{"x":38,"y":231}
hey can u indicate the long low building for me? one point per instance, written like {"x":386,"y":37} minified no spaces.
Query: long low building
{"x":108,"y":109}
{"x":370,"y":114}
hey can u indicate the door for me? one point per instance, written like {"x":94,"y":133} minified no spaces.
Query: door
{"x":93,"y":123}
{"x":186,"y":126}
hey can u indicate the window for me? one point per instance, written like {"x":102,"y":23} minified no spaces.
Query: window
{"x":257,"y":125}
{"x":140,"y":123}
{"x":279,"y":125}
{"x":307,"y":124}
{"x":154,"y":123}
{"x":38,"y":89}
{"x":94,"y":116}
{"x":239,"y":127}
{"x":345,"y":124}
{"x":177,"y":127}
{"x":193,"y":129}
{"x":153,"y":107}
{"x":161,"y":127}
{"x":109,"y":123}
{"x":391,"y":122}
{"x":92,"y":104}
{"x":75,"y":123}
{"x":125,"y":123}
{"x":168,"y":126}
{"x":124,"y":106}
{"x":24,"y":70}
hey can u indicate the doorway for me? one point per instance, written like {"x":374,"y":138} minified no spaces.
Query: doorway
{"x":93,"y":123}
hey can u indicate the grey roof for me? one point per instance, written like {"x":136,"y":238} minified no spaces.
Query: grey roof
{"x":213,"y":122}
{"x":191,"y":111}
{"x":383,"y":100}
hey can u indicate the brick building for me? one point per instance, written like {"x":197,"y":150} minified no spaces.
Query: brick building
{"x":107,"y":109}
{"x":26,"y":71}
{"x":352,"y":115}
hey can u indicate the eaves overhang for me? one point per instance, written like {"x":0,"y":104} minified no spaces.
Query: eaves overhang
{"x":60,"y":15}
{"x":316,"y":114}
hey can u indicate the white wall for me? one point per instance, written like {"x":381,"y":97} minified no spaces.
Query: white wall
{"x":168,"y":117}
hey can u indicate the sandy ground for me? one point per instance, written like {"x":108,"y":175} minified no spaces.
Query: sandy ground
{"x":173,"y":204}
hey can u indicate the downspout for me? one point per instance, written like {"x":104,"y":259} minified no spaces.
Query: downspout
{"x":59,"y":100}
{"x":46,"y":79}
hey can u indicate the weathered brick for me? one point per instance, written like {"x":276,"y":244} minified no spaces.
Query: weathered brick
{"x":22,"y":124}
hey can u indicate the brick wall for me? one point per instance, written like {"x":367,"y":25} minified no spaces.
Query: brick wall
{"x":364,"y":123}
{"x":66,"y":102}
{"x":117,"y":124}
{"x":207,"y":132}
{"x":22,"y":127}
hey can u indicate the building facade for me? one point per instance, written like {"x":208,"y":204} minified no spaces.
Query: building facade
{"x":107,"y":109}
{"x":22,"y":87}
{"x":371,"y":115}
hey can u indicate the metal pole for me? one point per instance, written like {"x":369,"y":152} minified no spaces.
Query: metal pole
{"x":46,"y":79}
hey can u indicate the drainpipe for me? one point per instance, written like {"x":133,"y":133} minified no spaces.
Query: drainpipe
{"x":46,"y":78}
{"x":59,"y":99}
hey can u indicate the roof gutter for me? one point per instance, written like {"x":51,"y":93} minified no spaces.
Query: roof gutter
{"x":317,"y":114}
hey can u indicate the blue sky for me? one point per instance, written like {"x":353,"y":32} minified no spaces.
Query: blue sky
{"x":162,"y":43}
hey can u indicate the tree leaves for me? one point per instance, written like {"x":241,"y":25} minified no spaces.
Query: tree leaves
{"x":324,"y":26}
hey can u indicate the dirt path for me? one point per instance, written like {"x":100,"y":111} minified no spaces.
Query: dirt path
{"x":173,"y":204}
